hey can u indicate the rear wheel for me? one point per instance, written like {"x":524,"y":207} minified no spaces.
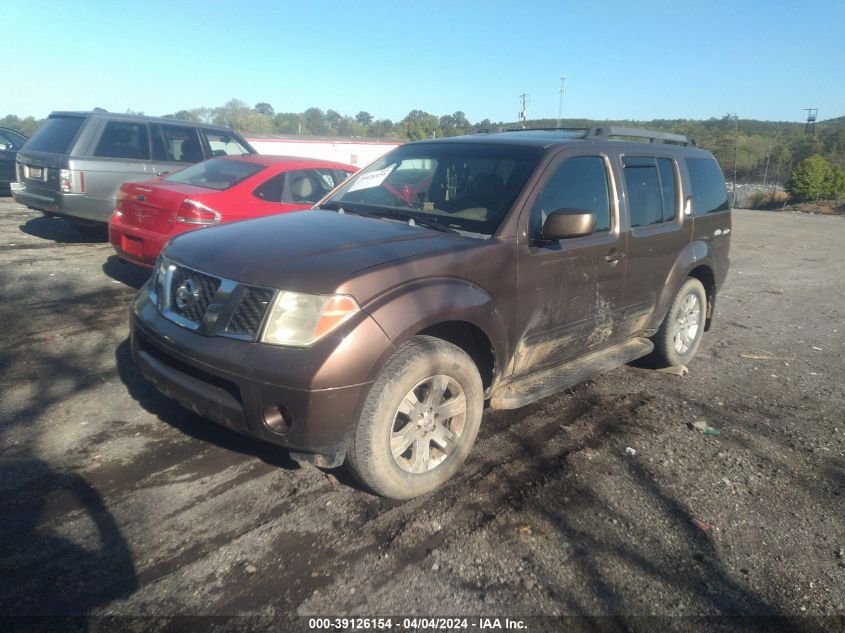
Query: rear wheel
{"x":420,"y":419}
{"x":682,"y":328}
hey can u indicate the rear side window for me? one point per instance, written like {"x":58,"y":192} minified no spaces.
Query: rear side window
{"x":578,"y":183}
{"x":176,"y":144}
{"x":124,"y":140}
{"x":56,"y":134}
{"x":217,"y":173}
{"x":652,"y":187}
{"x":223,"y":144}
{"x":300,"y":186}
{"x":709,"y":194}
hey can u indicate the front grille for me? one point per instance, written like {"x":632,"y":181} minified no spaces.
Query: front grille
{"x":247,"y":317}
{"x":209,"y":305}
{"x":191,"y":292}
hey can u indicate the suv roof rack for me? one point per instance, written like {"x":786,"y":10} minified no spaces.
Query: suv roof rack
{"x":608,"y":131}
{"x":653,"y":136}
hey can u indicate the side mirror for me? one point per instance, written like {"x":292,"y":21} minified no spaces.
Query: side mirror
{"x":566,"y":223}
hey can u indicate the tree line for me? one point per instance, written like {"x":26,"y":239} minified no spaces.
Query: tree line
{"x":764,"y":152}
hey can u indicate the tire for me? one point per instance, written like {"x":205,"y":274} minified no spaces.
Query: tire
{"x":398,"y":416}
{"x":680,"y":334}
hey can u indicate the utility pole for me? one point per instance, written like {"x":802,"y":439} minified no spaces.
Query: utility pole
{"x":523,"y":112}
{"x":810,"y":127}
{"x":560,"y":103}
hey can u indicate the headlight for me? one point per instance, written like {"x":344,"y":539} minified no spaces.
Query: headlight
{"x":299,"y":320}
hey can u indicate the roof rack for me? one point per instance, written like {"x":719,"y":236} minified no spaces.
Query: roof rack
{"x":640,"y":133}
{"x":608,"y":131}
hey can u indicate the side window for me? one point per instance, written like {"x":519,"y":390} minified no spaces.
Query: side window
{"x":124,"y":140}
{"x":271,"y":191}
{"x":308,"y":185}
{"x":223,"y":144}
{"x":709,"y":194}
{"x":10,"y":141}
{"x":668,"y":188}
{"x":645,"y":197}
{"x":578,"y":183}
{"x":176,"y":144}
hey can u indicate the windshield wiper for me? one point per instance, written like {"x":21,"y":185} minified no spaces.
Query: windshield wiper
{"x":340,"y":208}
{"x":412,"y":219}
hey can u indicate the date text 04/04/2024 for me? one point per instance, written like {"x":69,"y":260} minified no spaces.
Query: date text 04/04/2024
{"x":415,"y":623}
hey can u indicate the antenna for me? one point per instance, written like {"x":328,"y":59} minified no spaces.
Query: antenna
{"x":560,"y":103}
{"x":810,"y":127}
{"x":523,"y":112}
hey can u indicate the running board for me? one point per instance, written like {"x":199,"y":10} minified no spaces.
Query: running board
{"x":550,"y":381}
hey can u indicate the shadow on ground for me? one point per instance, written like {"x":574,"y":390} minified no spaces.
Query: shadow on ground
{"x":62,"y":231}
{"x":43,"y":572}
{"x":125,"y":272}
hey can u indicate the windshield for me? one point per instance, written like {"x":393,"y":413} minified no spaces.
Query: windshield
{"x":463,"y":186}
{"x":216,"y":173}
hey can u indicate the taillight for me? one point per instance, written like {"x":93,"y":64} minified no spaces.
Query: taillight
{"x":66,"y":180}
{"x":193,"y":212}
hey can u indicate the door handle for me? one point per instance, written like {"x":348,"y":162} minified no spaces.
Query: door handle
{"x":613,"y":257}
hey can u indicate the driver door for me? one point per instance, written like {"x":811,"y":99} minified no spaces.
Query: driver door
{"x":569,"y":291}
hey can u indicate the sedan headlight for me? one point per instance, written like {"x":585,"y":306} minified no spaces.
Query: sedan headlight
{"x":300,"y":320}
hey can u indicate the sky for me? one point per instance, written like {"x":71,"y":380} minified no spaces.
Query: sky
{"x":622,"y":60}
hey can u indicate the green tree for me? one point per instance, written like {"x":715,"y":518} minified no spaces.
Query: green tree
{"x":26,"y":126}
{"x":834,"y":183}
{"x":364,"y":118}
{"x":807,"y":181}
{"x":419,"y":125}
{"x":287,"y":123}
{"x":264,"y":108}
{"x":315,"y":121}
{"x":380,"y":128}
{"x":239,"y":116}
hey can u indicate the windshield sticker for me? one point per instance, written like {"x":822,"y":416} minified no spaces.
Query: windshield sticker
{"x":372,"y":179}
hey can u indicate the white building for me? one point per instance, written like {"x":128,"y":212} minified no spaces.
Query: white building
{"x":351,"y":151}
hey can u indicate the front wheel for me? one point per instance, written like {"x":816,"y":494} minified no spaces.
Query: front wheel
{"x":681,"y":331}
{"x":420,"y":419}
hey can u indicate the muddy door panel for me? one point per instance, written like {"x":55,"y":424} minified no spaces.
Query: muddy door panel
{"x":570,"y":289}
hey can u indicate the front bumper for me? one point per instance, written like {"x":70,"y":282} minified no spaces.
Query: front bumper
{"x":243,"y":385}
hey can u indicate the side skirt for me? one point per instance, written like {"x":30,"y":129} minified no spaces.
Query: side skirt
{"x":547,"y":382}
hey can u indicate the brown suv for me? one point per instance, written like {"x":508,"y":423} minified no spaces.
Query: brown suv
{"x":495,"y":268}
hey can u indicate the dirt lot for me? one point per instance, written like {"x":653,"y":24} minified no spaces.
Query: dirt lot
{"x":116,"y":501}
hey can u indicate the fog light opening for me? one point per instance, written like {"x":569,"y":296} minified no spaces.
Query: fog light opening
{"x":277,"y":419}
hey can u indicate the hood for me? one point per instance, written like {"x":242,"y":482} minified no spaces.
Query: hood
{"x":308,"y":251}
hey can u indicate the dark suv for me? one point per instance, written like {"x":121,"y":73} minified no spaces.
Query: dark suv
{"x":495,"y":268}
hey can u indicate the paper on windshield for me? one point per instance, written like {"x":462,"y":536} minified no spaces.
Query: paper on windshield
{"x":372,"y":179}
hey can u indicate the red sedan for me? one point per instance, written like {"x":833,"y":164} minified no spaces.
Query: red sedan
{"x":218,"y":190}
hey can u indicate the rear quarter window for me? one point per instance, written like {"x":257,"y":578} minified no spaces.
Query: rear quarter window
{"x":709,"y":194}
{"x":56,"y":134}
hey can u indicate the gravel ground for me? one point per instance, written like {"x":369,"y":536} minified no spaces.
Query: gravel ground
{"x":115,"y":500}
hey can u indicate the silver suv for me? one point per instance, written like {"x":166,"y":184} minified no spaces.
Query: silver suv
{"x":75,"y":163}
